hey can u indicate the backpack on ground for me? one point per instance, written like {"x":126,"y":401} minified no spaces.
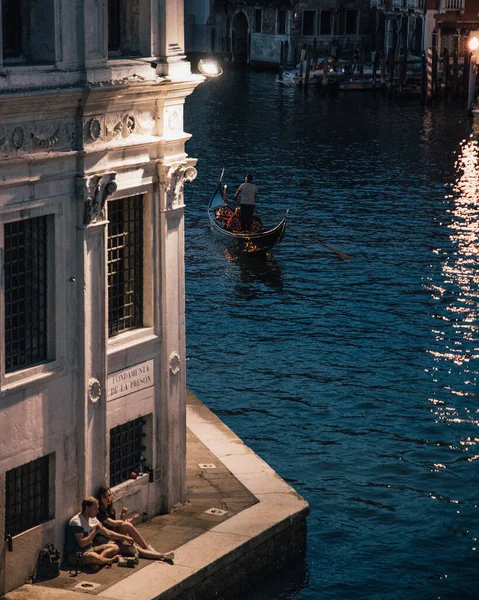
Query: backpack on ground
{"x":48,"y":563}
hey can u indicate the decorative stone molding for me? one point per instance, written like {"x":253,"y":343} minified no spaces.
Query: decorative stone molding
{"x":118,"y":126}
{"x":94,"y":390}
{"x":18,"y":137}
{"x":38,"y":136}
{"x":175,"y":363}
{"x":95,"y":192}
{"x":173,"y":177}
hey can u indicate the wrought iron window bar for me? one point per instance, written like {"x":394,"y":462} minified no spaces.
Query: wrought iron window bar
{"x":26,"y":333}
{"x":27,"y":496}
{"x":125,"y":264}
{"x":127,"y":447}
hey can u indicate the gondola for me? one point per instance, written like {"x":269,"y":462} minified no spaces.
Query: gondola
{"x":257,"y":240}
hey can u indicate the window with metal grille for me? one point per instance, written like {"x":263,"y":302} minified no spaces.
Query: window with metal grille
{"x":309,"y":17}
{"x":12,"y":28}
{"x":28,"y":31}
{"x":27,"y":496}
{"x":351,"y":27}
{"x":114,"y":25}
{"x":258,"y":20}
{"x":281,"y":21}
{"x":127,"y":446}
{"x":125,"y":264}
{"x":26,"y":287}
{"x":326,"y":27}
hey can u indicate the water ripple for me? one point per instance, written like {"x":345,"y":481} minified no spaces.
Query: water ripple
{"x":356,"y":380}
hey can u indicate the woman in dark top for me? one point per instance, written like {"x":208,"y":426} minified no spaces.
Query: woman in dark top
{"x":107,"y":517}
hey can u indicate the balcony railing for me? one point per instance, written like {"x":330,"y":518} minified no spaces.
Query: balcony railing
{"x":403,"y":4}
{"x":416,"y":4}
{"x":451,"y":5}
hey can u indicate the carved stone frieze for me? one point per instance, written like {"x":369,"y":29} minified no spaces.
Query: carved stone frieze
{"x":37,"y":136}
{"x":117,"y":126}
{"x":172,"y":179}
{"x":94,"y":192}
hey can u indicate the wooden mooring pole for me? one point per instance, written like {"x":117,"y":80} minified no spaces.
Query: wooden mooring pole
{"x":324,"y":81}
{"x":431,"y":74}
{"x":446,"y":72}
{"x":465,"y":75}
{"x":301,"y":65}
{"x":402,"y":71}
{"x":455,"y":73}
{"x":423,"y":78}
{"x":392,"y":64}
{"x":471,"y":91}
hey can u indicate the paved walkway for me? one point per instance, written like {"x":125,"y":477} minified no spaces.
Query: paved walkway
{"x":214,"y":497}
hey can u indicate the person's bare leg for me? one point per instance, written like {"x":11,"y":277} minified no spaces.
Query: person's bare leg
{"x":153,"y":554}
{"x":93,"y":558}
{"x":131,"y":530}
{"x":110,"y":551}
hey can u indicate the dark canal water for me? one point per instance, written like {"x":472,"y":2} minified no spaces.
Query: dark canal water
{"x":355,"y":380}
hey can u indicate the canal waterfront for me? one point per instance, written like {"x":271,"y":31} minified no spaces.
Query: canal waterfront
{"x":355,"y":380}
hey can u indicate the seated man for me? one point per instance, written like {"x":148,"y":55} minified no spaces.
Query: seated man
{"x":82,"y":528}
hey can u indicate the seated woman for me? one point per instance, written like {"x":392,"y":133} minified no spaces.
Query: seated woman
{"x":107,"y":517}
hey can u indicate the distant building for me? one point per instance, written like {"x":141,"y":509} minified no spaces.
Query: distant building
{"x":199,"y":32}
{"x":400,"y":26}
{"x":92,"y":342}
{"x":274,"y":32}
{"x":338,"y":28}
{"x":253,"y":33}
{"x":455,"y":21}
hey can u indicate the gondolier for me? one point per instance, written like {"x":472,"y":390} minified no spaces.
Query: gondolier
{"x":248,"y":193}
{"x":258,"y":239}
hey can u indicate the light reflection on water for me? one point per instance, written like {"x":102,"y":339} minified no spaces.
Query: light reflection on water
{"x":460,"y":288}
{"x":356,"y":380}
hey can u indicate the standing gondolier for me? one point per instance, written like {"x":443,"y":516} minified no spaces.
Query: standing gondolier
{"x":249,"y":193}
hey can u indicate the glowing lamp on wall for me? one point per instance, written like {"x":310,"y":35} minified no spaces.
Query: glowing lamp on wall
{"x":473,"y":44}
{"x":209,"y":68}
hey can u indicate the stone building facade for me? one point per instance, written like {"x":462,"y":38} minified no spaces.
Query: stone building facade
{"x":455,"y":22}
{"x":338,"y":28}
{"x":199,"y":32}
{"x":274,"y":32}
{"x":254,"y":33}
{"x":92,"y":345}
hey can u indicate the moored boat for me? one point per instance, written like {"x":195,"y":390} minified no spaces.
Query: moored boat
{"x":224,"y":222}
{"x":357,"y":85}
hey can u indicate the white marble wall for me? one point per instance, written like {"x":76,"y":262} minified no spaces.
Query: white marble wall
{"x":59,"y":139}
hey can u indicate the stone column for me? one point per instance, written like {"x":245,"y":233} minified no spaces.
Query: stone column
{"x":171,"y":405}
{"x":95,"y":23}
{"x":95,"y":322}
{"x":171,"y":41}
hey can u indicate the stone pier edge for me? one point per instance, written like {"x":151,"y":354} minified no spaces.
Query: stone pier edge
{"x":239,"y":551}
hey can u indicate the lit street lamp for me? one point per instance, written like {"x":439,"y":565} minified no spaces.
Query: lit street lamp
{"x":209,"y":68}
{"x":473,"y":44}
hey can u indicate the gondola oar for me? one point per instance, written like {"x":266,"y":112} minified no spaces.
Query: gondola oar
{"x":342,"y":255}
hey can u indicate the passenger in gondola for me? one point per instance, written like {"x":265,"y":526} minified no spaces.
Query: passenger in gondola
{"x":248,"y":193}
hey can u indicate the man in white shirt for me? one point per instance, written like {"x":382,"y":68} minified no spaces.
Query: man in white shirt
{"x":249,"y":193}
{"x":82,"y":528}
